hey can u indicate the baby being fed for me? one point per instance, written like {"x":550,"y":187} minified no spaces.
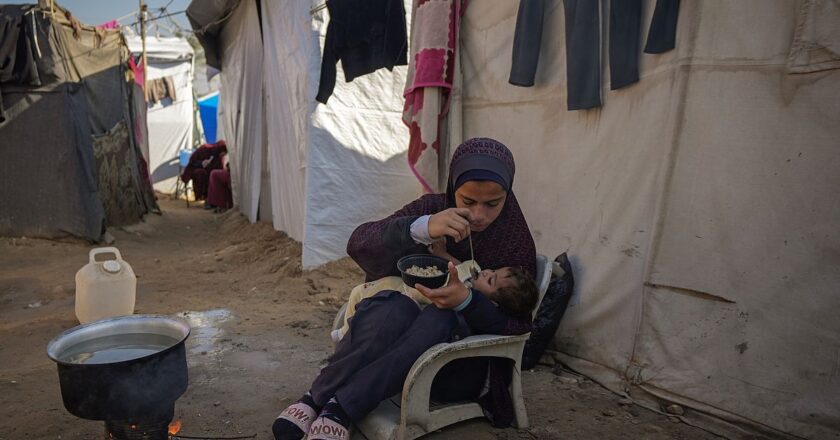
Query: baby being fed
{"x":510,"y":288}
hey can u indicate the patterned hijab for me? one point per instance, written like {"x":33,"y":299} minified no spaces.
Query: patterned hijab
{"x":507,"y":241}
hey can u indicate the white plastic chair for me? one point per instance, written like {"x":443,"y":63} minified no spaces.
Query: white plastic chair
{"x":412,"y":414}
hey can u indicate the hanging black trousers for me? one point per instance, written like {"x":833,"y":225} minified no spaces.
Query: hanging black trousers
{"x":662,"y":35}
{"x":625,"y":31}
{"x":583,"y":53}
{"x":526,"y":42}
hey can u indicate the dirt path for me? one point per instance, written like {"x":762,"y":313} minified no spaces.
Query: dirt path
{"x":260,"y":333}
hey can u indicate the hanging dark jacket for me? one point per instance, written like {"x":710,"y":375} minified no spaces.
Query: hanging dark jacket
{"x":365,"y":35}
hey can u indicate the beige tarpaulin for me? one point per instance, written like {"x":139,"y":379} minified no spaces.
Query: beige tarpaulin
{"x":700,"y":207}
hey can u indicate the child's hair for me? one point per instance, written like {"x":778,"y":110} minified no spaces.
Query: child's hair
{"x":518,"y":301}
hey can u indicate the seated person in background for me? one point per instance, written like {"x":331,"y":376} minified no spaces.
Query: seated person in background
{"x":219,"y":195}
{"x":205,"y":159}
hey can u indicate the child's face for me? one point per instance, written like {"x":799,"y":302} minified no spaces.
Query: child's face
{"x":489,"y":281}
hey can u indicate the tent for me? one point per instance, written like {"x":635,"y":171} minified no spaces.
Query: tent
{"x":171,"y":122}
{"x":699,"y":206}
{"x":208,"y":108}
{"x":86,"y":171}
{"x":315,"y":172}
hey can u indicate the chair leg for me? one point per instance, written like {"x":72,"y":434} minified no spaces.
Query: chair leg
{"x":516,"y":395}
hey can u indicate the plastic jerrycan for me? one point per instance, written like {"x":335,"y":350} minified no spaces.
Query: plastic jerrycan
{"x":105,"y":289}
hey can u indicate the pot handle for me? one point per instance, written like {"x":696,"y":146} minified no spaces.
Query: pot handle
{"x":104,"y":250}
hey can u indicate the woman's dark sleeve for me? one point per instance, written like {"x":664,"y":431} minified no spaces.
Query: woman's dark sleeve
{"x":198,"y":156}
{"x":484,"y":317}
{"x":376,"y":246}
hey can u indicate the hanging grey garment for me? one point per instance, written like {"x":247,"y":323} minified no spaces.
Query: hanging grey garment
{"x":583,"y":53}
{"x":526,"y":42}
{"x":625,"y":31}
{"x":662,"y":35}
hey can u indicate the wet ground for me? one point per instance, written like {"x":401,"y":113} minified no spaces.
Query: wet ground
{"x":259,"y":335}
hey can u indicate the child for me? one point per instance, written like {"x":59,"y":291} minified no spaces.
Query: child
{"x":371,"y":288}
{"x":510,"y":288}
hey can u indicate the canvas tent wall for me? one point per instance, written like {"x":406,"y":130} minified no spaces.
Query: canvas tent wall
{"x":84,"y":172}
{"x":170,"y":122}
{"x":316,"y":171}
{"x":700,"y":206}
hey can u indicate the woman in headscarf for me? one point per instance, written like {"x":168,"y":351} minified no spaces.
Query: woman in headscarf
{"x":205,"y":159}
{"x":389,"y":332}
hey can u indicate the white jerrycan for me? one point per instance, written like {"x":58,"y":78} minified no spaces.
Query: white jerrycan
{"x":105,"y":289}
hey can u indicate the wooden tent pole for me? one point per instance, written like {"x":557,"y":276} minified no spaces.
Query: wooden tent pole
{"x":143,"y":39}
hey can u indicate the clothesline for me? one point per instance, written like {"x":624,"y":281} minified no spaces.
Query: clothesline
{"x":320,"y":7}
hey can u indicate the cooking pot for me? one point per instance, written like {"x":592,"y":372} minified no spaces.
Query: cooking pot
{"x":123,"y":368}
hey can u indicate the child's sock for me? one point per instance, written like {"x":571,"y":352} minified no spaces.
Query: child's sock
{"x":333,"y":411}
{"x":294,"y":422}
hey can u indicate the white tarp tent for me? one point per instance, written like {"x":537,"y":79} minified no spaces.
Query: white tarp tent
{"x":316,"y":171}
{"x":170,"y":123}
{"x":700,"y":206}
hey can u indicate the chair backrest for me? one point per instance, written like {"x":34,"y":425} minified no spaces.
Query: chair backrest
{"x":543,"y":278}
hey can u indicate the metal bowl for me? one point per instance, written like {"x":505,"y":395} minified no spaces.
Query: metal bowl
{"x":140,"y":383}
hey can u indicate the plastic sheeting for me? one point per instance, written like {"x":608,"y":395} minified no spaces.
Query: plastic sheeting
{"x":242,"y":103}
{"x":288,"y":51}
{"x":170,"y":123}
{"x":699,"y":207}
{"x":329,"y":168}
{"x":332,"y":166}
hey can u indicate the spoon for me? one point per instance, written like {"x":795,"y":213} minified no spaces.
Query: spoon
{"x":473,"y":271}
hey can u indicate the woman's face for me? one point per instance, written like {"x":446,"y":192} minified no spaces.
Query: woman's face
{"x":485,"y":200}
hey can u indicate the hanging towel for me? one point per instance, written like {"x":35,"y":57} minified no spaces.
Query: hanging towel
{"x":434,"y":40}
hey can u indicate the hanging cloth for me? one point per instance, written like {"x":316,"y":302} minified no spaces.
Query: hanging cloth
{"x":434,"y":40}
{"x":662,"y":35}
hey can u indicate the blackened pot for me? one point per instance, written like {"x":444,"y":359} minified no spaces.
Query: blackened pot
{"x":137,"y":388}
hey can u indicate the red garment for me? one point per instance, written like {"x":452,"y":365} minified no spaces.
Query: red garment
{"x":219,"y":194}
{"x":199,"y":174}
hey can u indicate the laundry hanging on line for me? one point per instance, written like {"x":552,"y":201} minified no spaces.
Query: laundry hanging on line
{"x":583,"y":44}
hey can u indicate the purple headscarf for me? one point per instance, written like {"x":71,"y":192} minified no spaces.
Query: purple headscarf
{"x":507,"y":241}
{"x":376,"y":246}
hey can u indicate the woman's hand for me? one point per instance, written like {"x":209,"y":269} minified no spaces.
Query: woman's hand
{"x":449,"y":296}
{"x":454,"y":222}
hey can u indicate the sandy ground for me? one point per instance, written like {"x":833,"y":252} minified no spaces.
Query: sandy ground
{"x":260,"y":333}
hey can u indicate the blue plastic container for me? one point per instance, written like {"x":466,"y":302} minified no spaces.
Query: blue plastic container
{"x":207,"y":109}
{"x":184,"y":157}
